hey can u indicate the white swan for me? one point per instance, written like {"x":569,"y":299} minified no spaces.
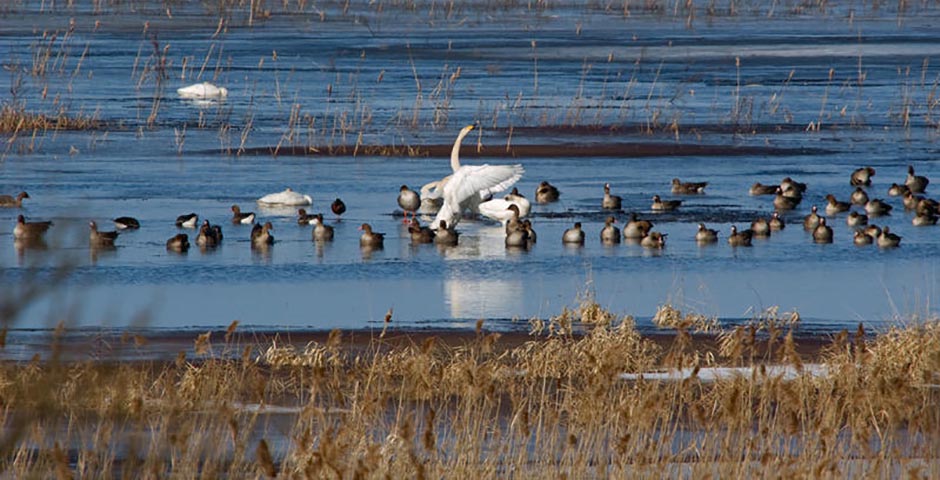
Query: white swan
{"x":288,"y":198}
{"x":498,"y":209}
{"x":469,"y":184}
{"x":202,"y":90}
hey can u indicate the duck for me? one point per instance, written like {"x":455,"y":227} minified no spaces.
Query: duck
{"x":636,"y":229}
{"x":338,"y":207}
{"x":7,"y":201}
{"x":760,"y":227}
{"x":917,"y":183}
{"x":783,"y":202}
{"x":202,"y":91}
{"x":660,"y":205}
{"x":896,"y":190}
{"x":321,"y":232}
{"x":420,"y":234}
{"x":859,"y":196}
{"x":910,"y":200}
{"x":369,"y":238}
{"x":811,"y":221}
{"x":706,"y":235}
{"x":532,"y":236}
{"x":927,"y":206}
{"x":654,"y":240}
{"x":862,"y":177}
{"x":304,"y":218}
{"x":573,"y":235}
{"x":739,"y":239}
{"x":610,"y":234}
{"x":777,"y":223}
{"x":261,"y":234}
{"x":518,"y":238}
{"x":877,"y":207}
{"x":822,"y":233}
{"x":760,"y":189}
{"x":924,"y":219}
{"x":126,"y":223}
{"x":886,"y":239}
{"x":409,"y":201}
{"x":29,"y":230}
{"x":187,"y":220}
{"x":872,"y":231}
{"x":208,"y":235}
{"x":243,"y":218}
{"x":610,"y":202}
{"x":856,"y":219}
{"x":447,"y":236}
{"x":101,"y":239}
{"x":788,"y":183}
{"x":287,"y":198}
{"x":178,"y":243}
{"x":468,"y":185}
{"x":546,"y":193}
{"x":687,"y":188}
{"x":520,"y":201}
{"x":861,"y":238}
{"x":834,"y":206}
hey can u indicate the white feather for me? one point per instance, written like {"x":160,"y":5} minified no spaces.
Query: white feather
{"x":202,"y":90}
{"x":287,"y":198}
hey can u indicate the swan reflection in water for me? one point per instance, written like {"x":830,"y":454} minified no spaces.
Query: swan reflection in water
{"x":481,"y":297}
{"x":486,"y":242}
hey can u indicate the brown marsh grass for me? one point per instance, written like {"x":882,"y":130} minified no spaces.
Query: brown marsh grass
{"x":553,"y":404}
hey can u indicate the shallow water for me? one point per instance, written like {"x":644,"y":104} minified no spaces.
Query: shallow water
{"x":588,"y":67}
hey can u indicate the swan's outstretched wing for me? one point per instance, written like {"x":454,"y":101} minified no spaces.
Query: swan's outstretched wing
{"x":434,"y":190}
{"x":481,"y":180}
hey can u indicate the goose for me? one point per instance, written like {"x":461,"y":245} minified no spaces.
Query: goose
{"x":518,"y":238}
{"x":896,"y":190}
{"x":760,"y":189}
{"x":917,"y":183}
{"x":856,"y":219}
{"x":418,"y":233}
{"x":187,"y":220}
{"x":469,"y":184}
{"x":834,"y":206}
{"x":29,"y":230}
{"x":208,"y":236}
{"x":546,"y":193}
{"x":446,"y":235}
{"x":660,"y":205}
{"x":532,"y":236}
{"x":859,"y":196}
{"x":204,"y":90}
{"x":924,"y":219}
{"x":635,"y":228}
{"x":513,"y":222}
{"x":573,"y":235}
{"x":126,"y":223}
{"x":321,"y":232}
{"x":431,"y":197}
{"x":739,"y":239}
{"x":706,"y":235}
{"x":100,"y":239}
{"x":178,"y":243}
{"x":861,"y":238}
{"x":811,"y":221}
{"x":610,"y":202}
{"x":877,"y":207}
{"x":788,"y":183}
{"x":784,"y":202}
{"x":862,"y":176}
{"x":287,"y":198}
{"x":793,"y":193}
{"x":654,"y":240}
{"x":261,"y":235}
{"x":777,"y":223}
{"x":760,"y":227}
{"x":910,"y":200}
{"x":304,"y":218}
{"x":243,"y":218}
{"x":370,"y":239}
{"x":338,"y":207}
{"x":610,"y":234}
{"x":872,"y":231}
{"x":822,"y":233}
{"x":687,"y":188}
{"x":409,"y":201}
{"x":520,"y":201}
{"x":927,"y":206}
{"x":8,"y":201}
{"x":886,"y":239}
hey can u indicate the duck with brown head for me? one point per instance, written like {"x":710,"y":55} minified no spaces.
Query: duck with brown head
{"x":610,"y":202}
{"x":705,"y":235}
{"x":409,"y":201}
{"x":822,"y":233}
{"x":739,"y":239}
{"x":187,"y":220}
{"x":862,"y":176}
{"x":420,"y":234}
{"x":243,"y":218}
{"x":445,"y":235}
{"x":321,"y":232}
{"x":660,"y":205}
{"x":917,"y":183}
{"x":100,"y":239}
{"x":261,"y":235}
{"x":304,"y":218}
{"x":369,"y":238}
{"x":29,"y":230}
{"x":338,"y":208}
{"x":610,"y":234}
{"x":687,"y":188}
{"x":546,"y":193}
{"x":178,"y":243}
{"x":7,"y":201}
{"x":573,"y":235}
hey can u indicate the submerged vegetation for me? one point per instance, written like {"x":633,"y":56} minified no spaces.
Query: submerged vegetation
{"x":557,"y":403}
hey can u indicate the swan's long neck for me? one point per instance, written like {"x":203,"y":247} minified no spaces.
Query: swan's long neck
{"x":455,"y":152}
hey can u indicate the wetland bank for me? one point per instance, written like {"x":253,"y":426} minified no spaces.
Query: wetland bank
{"x":352,"y":99}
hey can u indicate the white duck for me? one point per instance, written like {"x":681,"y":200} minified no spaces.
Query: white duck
{"x":288,"y":198}
{"x":202,"y":90}
{"x":471,"y":183}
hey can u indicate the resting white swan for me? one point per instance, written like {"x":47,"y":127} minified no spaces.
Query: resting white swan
{"x":202,"y":90}
{"x":498,"y":209}
{"x":287,"y":198}
{"x":469,"y":184}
